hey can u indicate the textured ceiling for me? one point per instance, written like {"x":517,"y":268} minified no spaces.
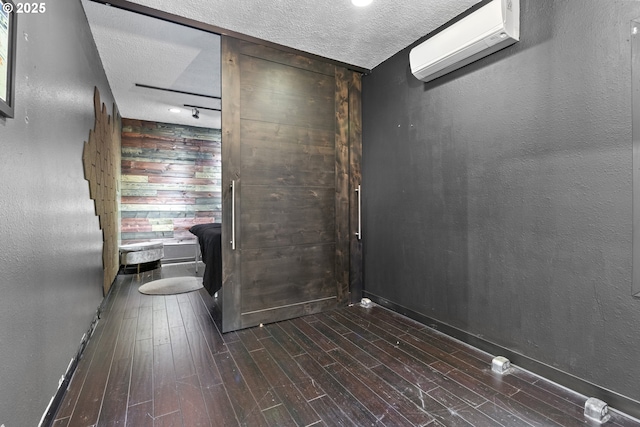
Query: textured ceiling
{"x":139,"y":49}
{"x":334,"y":29}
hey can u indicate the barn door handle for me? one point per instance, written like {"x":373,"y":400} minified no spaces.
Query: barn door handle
{"x":359,"y":232}
{"x":233,"y":215}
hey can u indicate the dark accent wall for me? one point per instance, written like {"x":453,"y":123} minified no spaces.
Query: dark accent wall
{"x":51,"y":252}
{"x":497,"y":199}
{"x":171,"y":180}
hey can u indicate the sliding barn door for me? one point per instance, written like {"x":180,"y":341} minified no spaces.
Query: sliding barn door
{"x":286,"y":190}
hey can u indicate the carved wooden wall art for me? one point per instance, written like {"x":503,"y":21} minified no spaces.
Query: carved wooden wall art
{"x":101,"y":159}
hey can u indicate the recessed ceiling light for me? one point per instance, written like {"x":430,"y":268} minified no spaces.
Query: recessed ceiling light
{"x":174,"y":110}
{"x":361,"y":3}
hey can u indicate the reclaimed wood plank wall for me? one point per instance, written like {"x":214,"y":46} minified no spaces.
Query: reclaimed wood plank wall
{"x":171,"y":180}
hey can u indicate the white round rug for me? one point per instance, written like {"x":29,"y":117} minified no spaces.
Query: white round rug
{"x":171,"y":285}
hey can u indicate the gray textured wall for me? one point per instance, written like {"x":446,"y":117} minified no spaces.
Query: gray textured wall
{"x":497,"y":199}
{"x":50,"y":242}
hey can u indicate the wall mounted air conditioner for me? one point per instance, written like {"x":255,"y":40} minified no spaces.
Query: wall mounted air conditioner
{"x":488,"y":29}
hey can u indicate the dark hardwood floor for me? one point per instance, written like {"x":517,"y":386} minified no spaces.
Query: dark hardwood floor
{"x":161,"y":361}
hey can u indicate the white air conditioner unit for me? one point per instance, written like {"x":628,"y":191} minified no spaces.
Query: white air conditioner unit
{"x":488,"y":29}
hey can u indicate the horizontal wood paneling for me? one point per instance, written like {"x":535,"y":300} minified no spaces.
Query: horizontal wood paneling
{"x":130,"y":188}
{"x":271,"y":151}
{"x":287,"y":58}
{"x":287,"y":275}
{"x":287,"y":216}
{"x":291,"y":97}
{"x":171,"y":180}
{"x":276,"y":314}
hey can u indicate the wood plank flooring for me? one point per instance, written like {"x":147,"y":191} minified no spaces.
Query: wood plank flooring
{"x":161,"y":361}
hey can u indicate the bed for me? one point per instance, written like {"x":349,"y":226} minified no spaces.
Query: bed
{"x":209,"y":238}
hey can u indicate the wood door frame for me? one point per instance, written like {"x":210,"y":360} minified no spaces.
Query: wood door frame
{"x":356,"y":279}
{"x":348,"y":149}
{"x":230,"y":76}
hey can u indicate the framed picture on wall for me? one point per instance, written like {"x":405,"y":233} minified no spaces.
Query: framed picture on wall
{"x":8,"y":20}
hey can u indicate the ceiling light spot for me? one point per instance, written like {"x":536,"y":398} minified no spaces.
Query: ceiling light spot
{"x":174,"y":110}
{"x":361,"y":3}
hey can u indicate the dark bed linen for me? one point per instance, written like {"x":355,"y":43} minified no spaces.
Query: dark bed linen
{"x":209,"y":237}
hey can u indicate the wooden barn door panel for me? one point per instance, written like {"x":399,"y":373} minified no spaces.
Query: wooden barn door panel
{"x":269,"y":151}
{"x":285,"y":148}
{"x":278,"y":216}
